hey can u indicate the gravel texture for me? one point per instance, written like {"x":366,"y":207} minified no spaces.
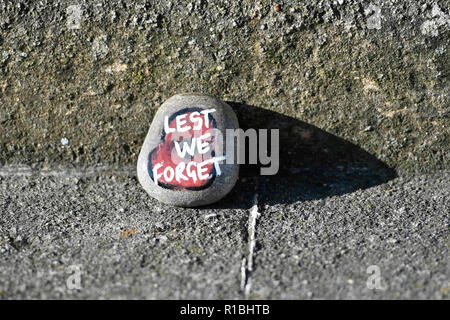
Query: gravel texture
{"x":316,"y":233}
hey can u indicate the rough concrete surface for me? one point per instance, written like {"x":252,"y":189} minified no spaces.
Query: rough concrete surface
{"x":313,"y":239}
{"x":360,"y":93}
{"x":80,"y":80}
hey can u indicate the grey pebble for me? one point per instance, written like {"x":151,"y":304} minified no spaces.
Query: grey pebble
{"x":159,"y":157}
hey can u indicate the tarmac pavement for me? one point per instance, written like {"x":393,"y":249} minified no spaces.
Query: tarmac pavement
{"x":94,"y":233}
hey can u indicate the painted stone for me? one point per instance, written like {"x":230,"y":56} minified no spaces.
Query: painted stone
{"x":182,"y":161}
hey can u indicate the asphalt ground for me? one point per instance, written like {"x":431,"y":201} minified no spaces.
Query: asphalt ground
{"x":335,"y":233}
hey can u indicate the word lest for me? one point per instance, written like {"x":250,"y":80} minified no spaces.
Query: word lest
{"x":194,"y":117}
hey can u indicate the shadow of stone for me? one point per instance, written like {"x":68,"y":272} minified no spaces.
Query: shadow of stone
{"x":314,"y":164}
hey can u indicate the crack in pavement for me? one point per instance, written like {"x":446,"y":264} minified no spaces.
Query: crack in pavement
{"x":247,"y":264}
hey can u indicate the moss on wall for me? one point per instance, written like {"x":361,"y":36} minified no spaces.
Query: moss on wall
{"x":378,"y":80}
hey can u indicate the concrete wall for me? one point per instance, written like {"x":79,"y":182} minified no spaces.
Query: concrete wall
{"x":80,"y":80}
